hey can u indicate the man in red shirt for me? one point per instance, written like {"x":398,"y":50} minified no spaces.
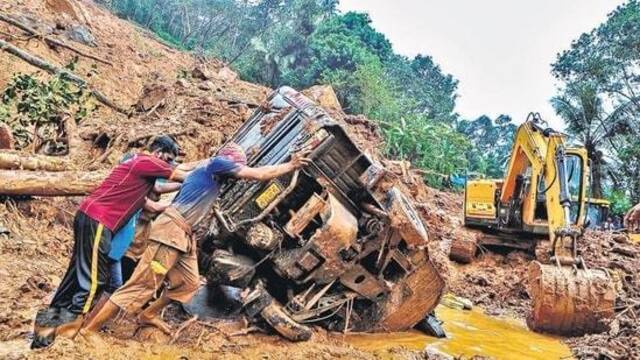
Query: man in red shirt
{"x":101,"y":214}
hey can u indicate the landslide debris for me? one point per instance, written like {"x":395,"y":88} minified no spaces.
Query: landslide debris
{"x":201,"y":102}
{"x":616,"y":252}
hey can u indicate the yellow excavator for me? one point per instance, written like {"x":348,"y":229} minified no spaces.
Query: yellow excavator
{"x":541,"y":206}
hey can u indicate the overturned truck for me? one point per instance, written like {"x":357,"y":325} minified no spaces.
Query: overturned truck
{"x":335,"y":243}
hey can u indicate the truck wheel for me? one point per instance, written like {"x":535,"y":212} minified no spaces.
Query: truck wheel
{"x":284,"y":324}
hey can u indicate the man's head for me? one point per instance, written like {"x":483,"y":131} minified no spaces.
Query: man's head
{"x":165,"y":148}
{"x":234,"y":152}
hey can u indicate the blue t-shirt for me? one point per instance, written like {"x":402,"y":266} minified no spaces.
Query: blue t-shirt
{"x":200,"y":189}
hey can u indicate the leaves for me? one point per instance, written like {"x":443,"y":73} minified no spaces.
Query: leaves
{"x":35,"y":108}
{"x":599,"y":100}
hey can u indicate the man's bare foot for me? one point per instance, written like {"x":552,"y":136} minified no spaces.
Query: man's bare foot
{"x":91,"y":338}
{"x":71,"y":328}
{"x":155,"y":321}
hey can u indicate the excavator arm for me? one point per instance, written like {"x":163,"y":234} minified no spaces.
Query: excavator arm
{"x":567,"y":297}
{"x":566,"y":172}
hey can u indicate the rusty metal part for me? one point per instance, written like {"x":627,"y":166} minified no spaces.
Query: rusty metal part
{"x":275,"y":315}
{"x":412,"y":298}
{"x":570,"y":301}
{"x":564,"y":248}
{"x":370,"y":178}
{"x":339,"y":232}
{"x":263,"y":237}
{"x":327,"y":307}
{"x":406,"y":220}
{"x":374,"y":210}
{"x":463,"y":250}
{"x":305,"y":215}
{"x":361,"y":281}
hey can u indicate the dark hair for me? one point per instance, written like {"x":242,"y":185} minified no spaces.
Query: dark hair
{"x":166,"y":144}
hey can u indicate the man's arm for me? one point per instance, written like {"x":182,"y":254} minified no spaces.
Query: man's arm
{"x":166,"y":187}
{"x":154,"y":206}
{"x":265,"y":173}
{"x":181,"y":171}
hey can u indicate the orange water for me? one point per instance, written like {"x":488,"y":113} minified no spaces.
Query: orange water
{"x":472,"y":333}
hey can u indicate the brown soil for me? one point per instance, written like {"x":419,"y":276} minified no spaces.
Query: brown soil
{"x":617,"y":253}
{"x":202,"y":111}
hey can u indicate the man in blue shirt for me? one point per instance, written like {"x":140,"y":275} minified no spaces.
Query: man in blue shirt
{"x":171,"y":253}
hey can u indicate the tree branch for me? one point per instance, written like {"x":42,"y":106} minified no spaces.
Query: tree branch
{"x":50,"y":41}
{"x":52,"y":69}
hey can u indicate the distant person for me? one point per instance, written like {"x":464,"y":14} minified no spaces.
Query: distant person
{"x":617,"y":222}
{"x":101,"y":214}
{"x":171,"y":254}
{"x":608,"y":224}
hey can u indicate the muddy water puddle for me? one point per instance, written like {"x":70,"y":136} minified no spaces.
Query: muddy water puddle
{"x":471,"y":333}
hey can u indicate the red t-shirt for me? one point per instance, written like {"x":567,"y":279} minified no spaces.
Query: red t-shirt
{"x":123,"y":192}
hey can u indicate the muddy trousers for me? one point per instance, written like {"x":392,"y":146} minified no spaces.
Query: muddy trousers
{"x":88,"y":270}
{"x":159,"y":264}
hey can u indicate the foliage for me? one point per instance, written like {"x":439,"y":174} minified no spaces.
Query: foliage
{"x":428,"y":145}
{"x":34,"y":108}
{"x":492,"y":142}
{"x":301,"y":43}
{"x":599,"y":101}
{"x":620,"y":202}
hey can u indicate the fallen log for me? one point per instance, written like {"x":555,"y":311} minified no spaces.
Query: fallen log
{"x":50,"y":41}
{"x":43,"y":183}
{"x":52,"y":69}
{"x":13,"y":160}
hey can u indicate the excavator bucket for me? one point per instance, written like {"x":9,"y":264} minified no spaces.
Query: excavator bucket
{"x":570,"y":301}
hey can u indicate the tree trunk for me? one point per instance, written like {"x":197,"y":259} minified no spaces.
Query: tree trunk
{"x":14,"y":160}
{"x":597,"y":174}
{"x":42,"y":183}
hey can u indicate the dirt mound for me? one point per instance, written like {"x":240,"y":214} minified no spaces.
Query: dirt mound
{"x":617,"y":253}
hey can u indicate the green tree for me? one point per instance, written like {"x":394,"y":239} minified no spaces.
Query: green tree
{"x":600,"y":101}
{"x":491,"y":143}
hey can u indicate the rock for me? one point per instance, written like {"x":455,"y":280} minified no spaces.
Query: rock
{"x":625,"y":250}
{"x":206,"y":86}
{"x":324,"y":96}
{"x":152,"y":95}
{"x":81,"y":34}
{"x":208,"y":100}
{"x":182,"y":83}
{"x":202,"y":73}
{"x":620,"y":238}
{"x":227,"y":75}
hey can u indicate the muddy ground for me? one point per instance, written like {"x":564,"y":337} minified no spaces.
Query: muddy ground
{"x":202,"y":108}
